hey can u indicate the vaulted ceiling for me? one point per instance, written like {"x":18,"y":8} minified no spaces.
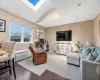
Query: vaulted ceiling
{"x":54,"y":12}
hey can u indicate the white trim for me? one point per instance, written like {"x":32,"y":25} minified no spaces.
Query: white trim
{"x":21,"y":33}
{"x":18,"y":51}
{"x":36,"y":7}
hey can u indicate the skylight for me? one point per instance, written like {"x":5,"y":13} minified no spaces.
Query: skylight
{"x":34,"y":2}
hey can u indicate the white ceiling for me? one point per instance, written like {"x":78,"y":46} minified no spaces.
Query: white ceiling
{"x":19,"y":8}
{"x":70,"y":13}
{"x":68,"y":10}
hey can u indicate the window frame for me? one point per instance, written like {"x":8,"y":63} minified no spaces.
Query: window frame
{"x":22,"y":31}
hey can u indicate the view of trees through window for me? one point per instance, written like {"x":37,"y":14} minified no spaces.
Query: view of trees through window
{"x":19,"y":33}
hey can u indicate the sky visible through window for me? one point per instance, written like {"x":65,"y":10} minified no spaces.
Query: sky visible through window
{"x":27,"y":31}
{"x":15,"y":30}
{"x":19,"y":33}
{"x":34,"y":2}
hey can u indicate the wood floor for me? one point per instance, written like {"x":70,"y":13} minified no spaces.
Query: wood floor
{"x":24,"y":74}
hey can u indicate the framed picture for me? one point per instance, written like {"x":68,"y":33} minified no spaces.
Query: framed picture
{"x":2,"y":25}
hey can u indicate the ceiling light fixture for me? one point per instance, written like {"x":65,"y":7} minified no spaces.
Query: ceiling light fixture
{"x":59,"y":21}
{"x":79,"y":4}
{"x":77,"y":17}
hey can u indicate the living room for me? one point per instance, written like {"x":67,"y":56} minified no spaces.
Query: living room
{"x":51,"y":37}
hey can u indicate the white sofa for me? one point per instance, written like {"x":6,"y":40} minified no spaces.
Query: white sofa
{"x":73,"y":58}
{"x":90,"y":70}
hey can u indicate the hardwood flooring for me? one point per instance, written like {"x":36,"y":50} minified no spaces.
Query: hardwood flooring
{"x":24,"y":74}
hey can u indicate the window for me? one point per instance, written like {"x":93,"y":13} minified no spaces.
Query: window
{"x":19,"y":33}
{"x":34,"y":2}
{"x":27,"y":34}
{"x":15,"y":32}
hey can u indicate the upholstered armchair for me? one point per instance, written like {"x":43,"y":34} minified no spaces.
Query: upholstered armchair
{"x":7,"y":55}
{"x":38,"y":58}
{"x":8,"y":48}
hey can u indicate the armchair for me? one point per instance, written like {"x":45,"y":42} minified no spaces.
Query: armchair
{"x":38,"y":58}
{"x":8,"y":49}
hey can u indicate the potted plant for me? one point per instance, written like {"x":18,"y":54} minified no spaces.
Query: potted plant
{"x":37,"y":43}
{"x":79,"y":46}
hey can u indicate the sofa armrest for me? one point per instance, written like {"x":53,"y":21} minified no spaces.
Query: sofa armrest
{"x":90,"y":70}
{"x":91,"y":62}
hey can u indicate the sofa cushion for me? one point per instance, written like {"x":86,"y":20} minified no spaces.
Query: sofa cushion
{"x":82,"y":56}
{"x":86,"y":51}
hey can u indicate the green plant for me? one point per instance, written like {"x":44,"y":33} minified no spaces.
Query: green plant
{"x":37,"y":43}
{"x":79,"y":45}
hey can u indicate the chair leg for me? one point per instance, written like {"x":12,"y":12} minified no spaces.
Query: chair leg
{"x":9,"y":66}
{"x":13,"y":68}
{"x":6,"y":65}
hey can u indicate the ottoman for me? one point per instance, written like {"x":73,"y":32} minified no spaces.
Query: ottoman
{"x":73,"y":58}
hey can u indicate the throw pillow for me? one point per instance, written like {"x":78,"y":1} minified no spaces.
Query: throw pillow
{"x":86,"y":51}
{"x":92,"y":56}
{"x":97,"y":49}
{"x":92,"y":49}
{"x":95,"y":55}
{"x":88,"y":57}
{"x":98,"y":58}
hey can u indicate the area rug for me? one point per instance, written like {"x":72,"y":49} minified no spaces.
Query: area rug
{"x":48,"y":75}
{"x":55,"y":63}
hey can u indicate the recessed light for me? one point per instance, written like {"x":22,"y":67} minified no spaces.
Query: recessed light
{"x":79,"y":4}
{"x":59,"y":21}
{"x":77,"y":17}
